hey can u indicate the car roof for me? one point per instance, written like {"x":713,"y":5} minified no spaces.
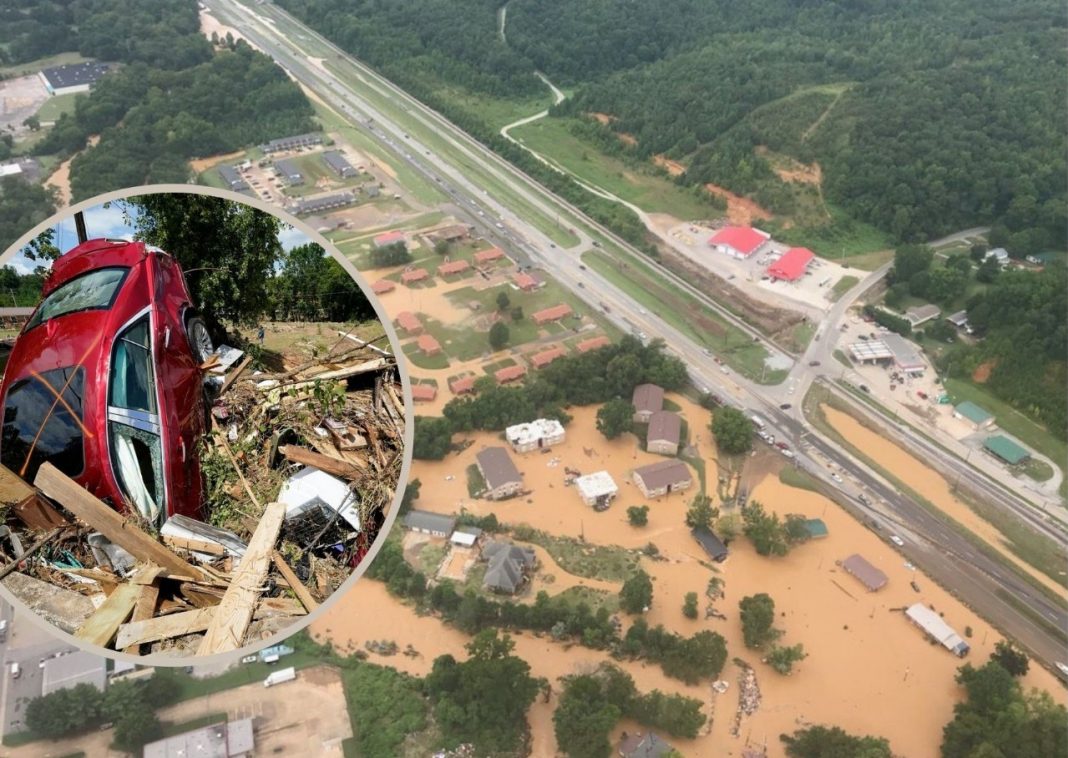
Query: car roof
{"x":95,"y":254}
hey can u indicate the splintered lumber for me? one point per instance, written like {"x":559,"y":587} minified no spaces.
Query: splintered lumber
{"x":196,"y":546}
{"x":143,"y":611}
{"x":279,"y":606}
{"x":294,"y":582}
{"x":24,"y":502}
{"x":368,"y":345}
{"x":235,"y":374}
{"x":13,"y":489}
{"x":331,"y":465}
{"x":100,"y":629}
{"x":29,"y":552}
{"x":347,"y":372}
{"x":109,"y":522}
{"x":234,"y":613}
{"x":164,"y":627}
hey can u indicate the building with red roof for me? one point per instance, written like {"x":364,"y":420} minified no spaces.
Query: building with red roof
{"x":526,"y":282}
{"x":549,"y":315}
{"x":415,"y":275}
{"x":463,"y":385}
{"x":428,"y":345}
{"x":739,"y":241}
{"x":593,"y":344}
{"x":382,"y":286}
{"x":792,"y":265}
{"x":510,"y":374}
{"x":389,"y":238}
{"x":424,"y":392}
{"x":453,"y":267}
{"x":545,"y":357}
{"x":409,"y":322}
{"x":487,"y":256}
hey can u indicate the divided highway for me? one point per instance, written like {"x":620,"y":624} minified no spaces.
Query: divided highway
{"x":980,"y":581}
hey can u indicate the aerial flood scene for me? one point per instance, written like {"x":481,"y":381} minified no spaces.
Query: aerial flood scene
{"x":724,"y":410}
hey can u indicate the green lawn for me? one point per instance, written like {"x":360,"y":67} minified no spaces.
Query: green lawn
{"x":607,"y":562}
{"x":495,"y":111}
{"x":1030,"y":433}
{"x":32,"y":67}
{"x":688,"y":315}
{"x":430,"y":362}
{"x":55,"y":106}
{"x":843,"y":239}
{"x":801,"y":336}
{"x":795,"y":477}
{"x":594,"y":598}
{"x":637,"y":184}
{"x":430,"y":557}
{"x":314,"y":168}
{"x":843,"y":286}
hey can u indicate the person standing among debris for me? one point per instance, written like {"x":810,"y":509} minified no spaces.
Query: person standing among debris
{"x":259,"y":335}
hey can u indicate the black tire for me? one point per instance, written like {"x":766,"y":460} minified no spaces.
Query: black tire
{"x":196,"y":331}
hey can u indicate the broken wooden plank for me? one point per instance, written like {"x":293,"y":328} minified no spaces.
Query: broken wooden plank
{"x":38,"y":514}
{"x":31,"y":550}
{"x":329,"y":464}
{"x":368,"y":345}
{"x":279,"y":606}
{"x":232,"y":617}
{"x":13,"y":488}
{"x":197,"y":546}
{"x":294,"y":582}
{"x":109,"y":522}
{"x":347,"y":372}
{"x":100,"y":629}
{"x":142,"y":632}
{"x":143,"y":611}
{"x":235,"y":374}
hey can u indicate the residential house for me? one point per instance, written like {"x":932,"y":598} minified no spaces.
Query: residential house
{"x":647,"y":400}
{"x":663,"y":478}
{"x":502,"y":478}
{"x":664,"y":432}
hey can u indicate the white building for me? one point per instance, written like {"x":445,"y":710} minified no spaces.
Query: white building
{"x":597,"y":489}
{"x":535,"y":435}
{"x":998,"y":253}
{"x":937,"y":629}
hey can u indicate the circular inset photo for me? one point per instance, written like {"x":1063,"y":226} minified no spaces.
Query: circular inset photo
{"x":204,"y":424}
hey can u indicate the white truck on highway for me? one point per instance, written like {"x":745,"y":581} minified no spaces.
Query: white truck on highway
{"x":757,"y":421}
{"x":280,"y":676}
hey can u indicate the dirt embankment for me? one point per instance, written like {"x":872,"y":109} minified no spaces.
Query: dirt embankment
{"x":740,"y":210}
{"x":674,"y":168}
{"x":775,"y":322}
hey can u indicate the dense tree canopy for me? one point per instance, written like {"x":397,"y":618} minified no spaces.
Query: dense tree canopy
{"x":732,"y":429}
{"x":615,"y":417}
{"x":758,"y":619}
{"x":311,"y":285}
{"x":22,"y":207}
{"x":833,"y":742}
{"x":636,"y":594}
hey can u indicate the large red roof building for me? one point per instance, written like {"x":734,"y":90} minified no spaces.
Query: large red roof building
{"x":792,"y":265}
{"x":739,"y":241}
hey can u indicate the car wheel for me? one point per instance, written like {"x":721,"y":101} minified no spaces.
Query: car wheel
{"x":199,"y":338}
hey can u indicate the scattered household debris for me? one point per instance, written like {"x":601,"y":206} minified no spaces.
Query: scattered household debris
{"x":748,"y":695}
{"x":300,"y":468}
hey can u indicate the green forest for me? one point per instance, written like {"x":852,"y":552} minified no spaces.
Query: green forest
{"x":925,"y":117}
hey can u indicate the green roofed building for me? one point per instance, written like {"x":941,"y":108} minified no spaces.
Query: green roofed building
{"x":1005,"y":449}
{"x":971,"y":413}
{"x":816,"y":528}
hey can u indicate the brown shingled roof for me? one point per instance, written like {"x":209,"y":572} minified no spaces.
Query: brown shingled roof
{"x":555,"y":313}
{"x":648,"y":397}
{"x":867,"y":574}
{"x":663,"y":473}
{"x":485,"y":256}
{"x":382,"y":286}
{"x":415,"y":275}
{"x":497,"y":467}
{"x":545,"y":357}
{"x":424,"y":392}
{"x":408,"y":321}
{"x":592,"y":344}
{"x":462,"y":385}
{"x":428,"y":345}
{"x":510,"y":374}
{"x":664,"y":426}
{"x":453,"y":267}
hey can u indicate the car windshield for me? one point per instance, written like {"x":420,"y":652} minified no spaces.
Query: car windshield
{"x":93,"y":291}
{"x":43,"y":422}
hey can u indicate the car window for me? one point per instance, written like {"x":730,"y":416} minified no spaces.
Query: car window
{"x":132,"y":379}
{"x":95,"y":290}
{"x":138,"y":467}
{"x":43,"y":422}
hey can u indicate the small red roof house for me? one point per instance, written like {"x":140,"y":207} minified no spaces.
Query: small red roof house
{"x":415,"y":275}
{"x":382,"y":286}
{"x":453,"y":267}
{"x":463,"y":385}
{"x":510,"y":374}
{"x":555,"y":313}
{"x":485,"y":256}
{"x":545,"y":357}
{"x":592,"y":344}
{"x":409,"y":322}
{"x":525,"y":282}
{"x":424,"y":392}
{"x":428,"y":345}
{"x":792,"y":265}
{"x":389,"y":238}
{"x":738,"y":241}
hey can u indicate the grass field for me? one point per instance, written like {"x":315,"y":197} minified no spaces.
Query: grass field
{"x":650,"y":191}
{"x":679,"y":309}
{"x":314,"y":168}
{"x":55,"y":106}
{"x":495,"y":111}
{"x":428,"y":362}
{"x":843,"y":286}
{"x":32,"y":67}
{"x":607,"y":562}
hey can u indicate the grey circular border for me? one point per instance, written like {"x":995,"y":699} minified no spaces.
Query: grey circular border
{"x":409,"y":427}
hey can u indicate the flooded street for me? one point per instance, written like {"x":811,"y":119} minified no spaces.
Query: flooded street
{"x":868,"y":670}
{"x":930,"y":484}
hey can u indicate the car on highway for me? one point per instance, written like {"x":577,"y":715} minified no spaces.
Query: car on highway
{"x":724,"y":369}
{"x":581,"y":266}
{"x":836,"y":478}
{"x":785,"y":406}
{"x":787,"y":452}
{"x":706,"y":351}
{"x":782,"y":446}
{"x":897,"y":540}
{"x":864,"y":388}
{"x":863,"y":498}
{"x":104,"y":381}
{"x":813,"y":363}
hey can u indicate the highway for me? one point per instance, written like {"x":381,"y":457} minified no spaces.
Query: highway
{"x":945,"y":555}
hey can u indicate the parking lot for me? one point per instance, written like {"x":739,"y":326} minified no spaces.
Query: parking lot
{"x":20,"y":98}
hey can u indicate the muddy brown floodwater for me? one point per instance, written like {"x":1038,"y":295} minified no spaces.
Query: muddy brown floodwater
{"x":868,"y":669}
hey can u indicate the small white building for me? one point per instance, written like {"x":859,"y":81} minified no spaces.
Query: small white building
{"x":597,"y":489}
{"x":937,"y":629}
{"x":535,"y":435}
{"x":998,"y":253}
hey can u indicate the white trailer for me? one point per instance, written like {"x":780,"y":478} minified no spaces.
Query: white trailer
{"x":280,"y":676}
{"x":757,"y":421}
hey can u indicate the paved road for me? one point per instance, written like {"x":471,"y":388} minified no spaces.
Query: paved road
{"x":975,"y":580}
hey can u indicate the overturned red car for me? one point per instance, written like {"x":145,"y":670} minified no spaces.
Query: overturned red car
{"x":105,"y":383}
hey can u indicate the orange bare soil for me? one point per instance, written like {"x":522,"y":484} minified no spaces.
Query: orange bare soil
{"x":674,"y":168}
{"x":740,"y":210}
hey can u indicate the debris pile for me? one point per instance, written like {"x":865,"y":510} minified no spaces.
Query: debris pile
{"x":300,"y":468}
{"x":748,"y":695}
